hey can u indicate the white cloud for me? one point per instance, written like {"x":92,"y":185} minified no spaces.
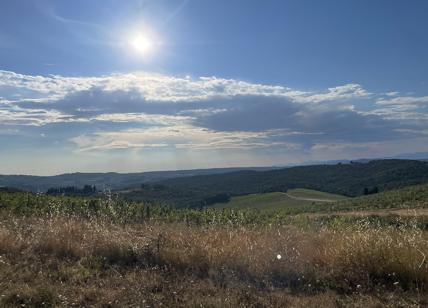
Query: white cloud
{"x":180,"y":137}
{"x":24,"y":98}
{"x":163,"y":88}
{"x":153,"y":119}
{"x":54,"y":87}
{"x":208,"y":112}
{"x":344,"y":92}
{"x":33,"y":117}
{"x":203,"y":112}
{"x":407,"y":113}
{"x":402,"y":108}
{"x":404,"y":100}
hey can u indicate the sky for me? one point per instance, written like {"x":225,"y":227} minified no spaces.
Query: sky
{"x":131,"y":86}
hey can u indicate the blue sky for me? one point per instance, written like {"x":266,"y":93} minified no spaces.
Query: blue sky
{"x":153,"y":85}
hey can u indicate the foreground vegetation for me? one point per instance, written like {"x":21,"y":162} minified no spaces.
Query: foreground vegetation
{"x":105,"y":252}
{"x":69,"y":262}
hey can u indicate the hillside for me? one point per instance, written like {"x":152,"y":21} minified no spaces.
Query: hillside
{"x":410,"y":197}
{"x":293,"y":198}
{"x":342,"y":179}
{"x":299,"y":200}
{"x":313,"y":195}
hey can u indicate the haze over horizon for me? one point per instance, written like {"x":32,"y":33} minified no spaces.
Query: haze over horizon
{"x":169,"y":85}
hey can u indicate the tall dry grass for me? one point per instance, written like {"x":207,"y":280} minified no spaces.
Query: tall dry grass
{"x":148,"y":262}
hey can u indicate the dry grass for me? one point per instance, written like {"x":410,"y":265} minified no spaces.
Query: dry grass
{"x":59,"y":262}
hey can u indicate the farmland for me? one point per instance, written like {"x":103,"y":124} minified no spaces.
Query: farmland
{"x":293,"y":198}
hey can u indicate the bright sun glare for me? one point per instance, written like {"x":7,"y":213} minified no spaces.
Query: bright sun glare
{"x":142,"y":44}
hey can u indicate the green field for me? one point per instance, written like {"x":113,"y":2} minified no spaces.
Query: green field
{"x":314,"y":195}
{"x":298,"y":197}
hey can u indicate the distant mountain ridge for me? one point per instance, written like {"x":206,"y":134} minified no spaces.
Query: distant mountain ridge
{"x":110,"y":180}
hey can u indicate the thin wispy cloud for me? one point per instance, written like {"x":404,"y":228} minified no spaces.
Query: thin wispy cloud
{"x":404,"y":100}
{"x":179,"y":137}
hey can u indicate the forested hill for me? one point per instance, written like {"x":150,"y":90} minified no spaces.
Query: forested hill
{"x":110,"y":180}
{"x":352,"y":179}
{"x":204,"y":187}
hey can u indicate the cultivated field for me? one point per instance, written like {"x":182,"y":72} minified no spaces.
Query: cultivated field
{"x":293,"y":198}
{"x":314,"y":195}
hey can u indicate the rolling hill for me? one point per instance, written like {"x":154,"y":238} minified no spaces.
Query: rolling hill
{"x":342,"y":179}
{"x":354,"y":179}
{"x":205,"y":187}
{"x":411,"y":200}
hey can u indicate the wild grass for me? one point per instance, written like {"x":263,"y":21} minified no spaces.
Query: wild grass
{"x":74,"y":252}
{"x":63,"y":261}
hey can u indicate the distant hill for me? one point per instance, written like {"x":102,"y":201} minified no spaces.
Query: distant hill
{"x":354,"y":179}
{"x":205,"y":187}
{"x":109,"y":180}
{"x":414,"y":156}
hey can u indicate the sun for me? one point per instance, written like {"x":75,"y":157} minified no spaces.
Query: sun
{"x":142,"y":44}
